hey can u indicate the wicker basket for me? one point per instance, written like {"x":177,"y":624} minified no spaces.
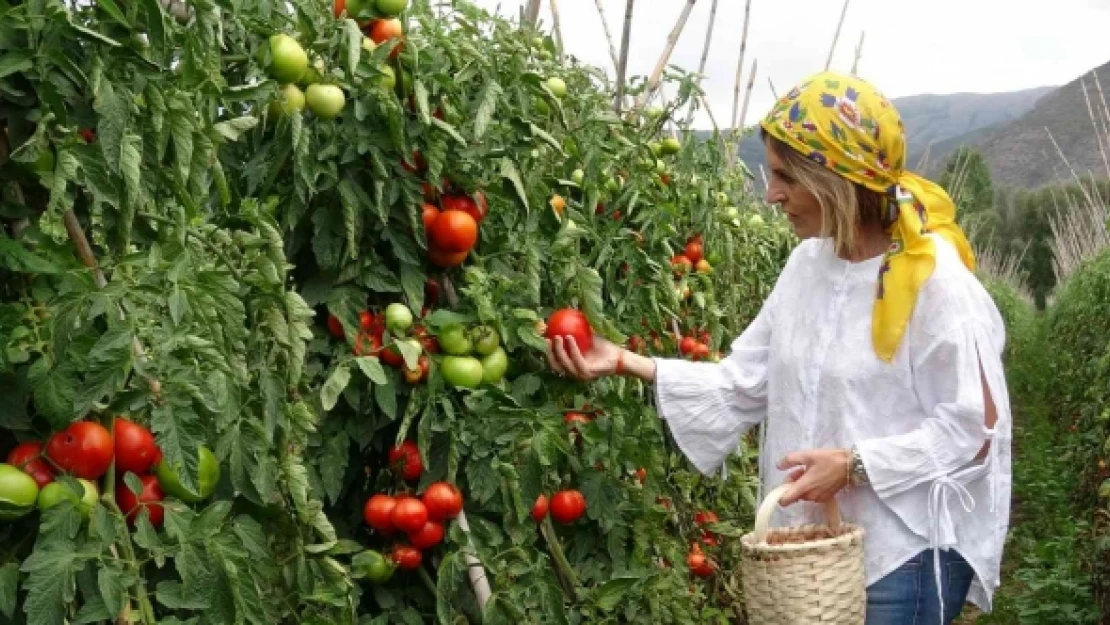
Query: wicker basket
{"x":806,"y":574}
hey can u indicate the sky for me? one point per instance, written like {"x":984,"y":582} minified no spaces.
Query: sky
{"x":910,"y":46}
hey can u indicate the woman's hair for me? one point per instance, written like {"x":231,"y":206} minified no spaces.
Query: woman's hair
{"x":845,"y":205}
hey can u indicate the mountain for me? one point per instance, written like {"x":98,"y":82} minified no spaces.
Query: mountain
{"x":935,"y":119}
{"x":1020,"y":152}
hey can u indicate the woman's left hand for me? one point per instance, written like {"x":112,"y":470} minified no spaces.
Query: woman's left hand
{"x":820,"y":475}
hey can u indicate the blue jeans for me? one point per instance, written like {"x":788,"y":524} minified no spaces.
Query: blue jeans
{"x":908,"y":596}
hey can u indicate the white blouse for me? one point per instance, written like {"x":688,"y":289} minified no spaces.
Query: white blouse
{"x":807,"y":365}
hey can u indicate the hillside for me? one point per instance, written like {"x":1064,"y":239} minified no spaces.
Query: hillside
{"x":1020,"y":153}
{"x":933,"y":118}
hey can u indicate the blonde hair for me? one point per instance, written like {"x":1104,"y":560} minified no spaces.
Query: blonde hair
{"x":845,"y":205}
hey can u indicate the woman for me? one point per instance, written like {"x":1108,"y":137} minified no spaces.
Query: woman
{"x":876,"y":362}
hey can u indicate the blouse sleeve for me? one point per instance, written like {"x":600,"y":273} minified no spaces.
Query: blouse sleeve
{"x":948,"y":378}
{"x":708,"y":406}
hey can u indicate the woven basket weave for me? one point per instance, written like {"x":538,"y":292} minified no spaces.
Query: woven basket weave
{"x":806,"y":574}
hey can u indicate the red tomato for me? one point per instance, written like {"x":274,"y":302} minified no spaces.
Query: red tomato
{"x":27,"y":457}
{"x":150,"y":498}
{"x":539,"y":509}
{"x":335,"y":326}
{"x":430,"y":213}
{"x":572,"y":418}
{"x":381,"y":30}
{"x":429,"y":342}
{"x":636,"y":344}
{"x":377,"y":513}
{"x":571,"y":322}
{"x":365,"y":320}
{"x":705,"y":516}
{"x":428,"y":536}
{"x":406,"y":557}
{"x":84,"y":450}
{"x":454,"y":232}
{"x":466,"y":205}
{"x":709,"y":539}
{"x":443,"y":501}
{"x":88,"y":134}
{"x":409,"y":514}
{"x":681,"y":264}
{"x":641,"y":474}
{"x":567,"y":506}
{"x":698,"y":563}
{"x":444,"y":259}
{"x":367,"y":344}
{"x":405,"y":458}
{"x":701,"y":352}
{"x":338,"y":7}
{"x":414,"y":376}
{"x":136,"y":450}
{"x":694,"y":251}
{"x":687,"y":345}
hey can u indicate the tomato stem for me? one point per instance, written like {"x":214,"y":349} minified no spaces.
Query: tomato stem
{"x":562,"y":566}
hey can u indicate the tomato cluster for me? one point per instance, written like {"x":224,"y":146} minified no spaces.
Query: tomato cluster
{"x":85,"y":450}
{"x":422,"y":520}
{"x":565,"y":506}
{"x":452,"y":227}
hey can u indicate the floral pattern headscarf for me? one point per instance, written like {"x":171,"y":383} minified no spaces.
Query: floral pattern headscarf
{"x":845,"y":124}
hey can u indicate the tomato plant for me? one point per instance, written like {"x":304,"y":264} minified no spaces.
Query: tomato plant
{"x":247,"y":247}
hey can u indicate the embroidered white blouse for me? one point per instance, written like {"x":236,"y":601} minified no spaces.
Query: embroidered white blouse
{"x":806,"y":365}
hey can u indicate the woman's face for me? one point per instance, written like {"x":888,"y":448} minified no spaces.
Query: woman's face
{"x":801,"y":207}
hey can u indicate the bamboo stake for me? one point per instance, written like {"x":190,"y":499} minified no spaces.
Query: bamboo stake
{"x":558,"y":32}
{"x":672,"y":40}
{"x":774,"y":94}
{"x":836,"y":36}
{"x":532,"y":12}
{"x":704,"y":58}
{"x":608,"y":35}
{"x":622,"y":67}
{"x":1094,"y":123}
{"x":740,"y":65}
{"x":737,"y":131}
{"x":859,"y":53}
{"x":474,"y":568}
{"x":1068,"y":165}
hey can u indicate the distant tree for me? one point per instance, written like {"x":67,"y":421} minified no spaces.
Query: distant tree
{"x":968,"y":180}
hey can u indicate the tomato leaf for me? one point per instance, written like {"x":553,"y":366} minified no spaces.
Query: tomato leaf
{"x":111,"y":587}
{"x":449,"y":129}
{"x":50,"y":582}
{"x":9,"y":580}
{"x":337,"y":381}
{"x":386,"y":397}
{"x":15,"y":62}
{"x":333,"y":464}
{"x":353,"y":36}
{"x":547,"y":138}
{"x":509,"y":171}
{"x":420,"y":94}
{"x":94,"y":611}
{"x":172,"y":595}
{"x":372,"y":368}
{"x":487,"y":104}
{"x":609,"y":594}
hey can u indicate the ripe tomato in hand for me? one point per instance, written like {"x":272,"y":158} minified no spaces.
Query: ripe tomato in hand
{"x":130,"y":504}
{"x":571,"y":322}
{"x":688,"y":345}
{"x":428,"y":536}
{"x":27,"y":457}
{"x":84,"y":449}
{"x":443,"y":501}
{"x":539,"y":509}
{"x":409,"y":515}
{"x":405,"y":459}
{"x":136,"y":450}
{"x":378,"y":513}
{"x":406,"y":557}
{"x":453,"y":232}
{"x":567,"y":506}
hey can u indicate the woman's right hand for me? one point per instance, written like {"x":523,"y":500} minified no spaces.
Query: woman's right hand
{"x":566,"y":358}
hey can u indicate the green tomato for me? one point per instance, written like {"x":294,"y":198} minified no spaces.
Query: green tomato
{"x":374,"y":566}
{"x":714,"y":258}
{"x":18,"y":493}
{"x":290,"y":99}
{"x":454,"y":341}
{"x":660,"y":167}
{"x":654,"y":112}
{"x":494,"y":366}
{"x":288,"y":60}
{"x":398,"y":318}
{"x":55,"y":493}
{"x":325,"y":101}
{"x":577,"y":176}
{"x":755,"y":220}
{"x":732,"y":212}
{"x":537,"y":41}
{"x":388,"y":78}
{"x":462,"y":371}
{"x":486,"y":340}
{"x":209,"y":476}
{"x":542,"y":107}
{"x":391,"y":8}
{"x":656,"y":148}
{"x":670,"y":146}
{"x":556,"y":86}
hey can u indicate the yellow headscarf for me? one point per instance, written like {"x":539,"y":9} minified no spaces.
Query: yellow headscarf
{"x":845,"y":124}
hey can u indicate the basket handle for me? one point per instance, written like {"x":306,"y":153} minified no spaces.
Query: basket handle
{"x":763,"y":517}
